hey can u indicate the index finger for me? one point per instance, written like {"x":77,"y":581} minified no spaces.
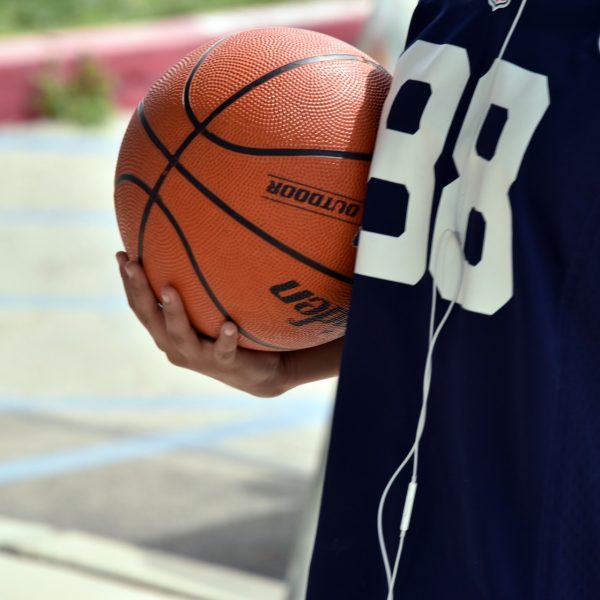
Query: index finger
{"x":141,"y":299}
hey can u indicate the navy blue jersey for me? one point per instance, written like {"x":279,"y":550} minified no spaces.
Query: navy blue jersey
{"x":485,"y":183}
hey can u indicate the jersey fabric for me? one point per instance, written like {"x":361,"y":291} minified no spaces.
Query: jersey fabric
{"x":492,"y":133}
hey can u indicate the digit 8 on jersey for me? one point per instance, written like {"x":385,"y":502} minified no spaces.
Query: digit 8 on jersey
{"x":405,"y":159}
{"x":521,"y":97}
{"x":405,"y":155}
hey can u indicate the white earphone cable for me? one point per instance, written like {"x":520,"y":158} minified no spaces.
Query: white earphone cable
{"x":414,"y":450}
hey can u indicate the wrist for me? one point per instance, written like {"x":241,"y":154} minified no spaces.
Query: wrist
{"x":280,"y":378}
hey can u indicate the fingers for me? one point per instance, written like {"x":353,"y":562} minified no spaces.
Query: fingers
{"x":177,"y":325}
{"x":141,"y":299}
{"x":225,"y":346}
{"x":171,"y":328}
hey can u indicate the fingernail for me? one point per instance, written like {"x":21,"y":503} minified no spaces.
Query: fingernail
{"x":166,"y":299}
{"x":129,"y":269}
{"x":228,"y":329}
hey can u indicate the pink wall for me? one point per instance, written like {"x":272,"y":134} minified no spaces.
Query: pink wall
{"x":137,"y":55}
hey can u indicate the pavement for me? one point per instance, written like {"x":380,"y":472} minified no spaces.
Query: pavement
{"x":40,"y":563}
{"x":105,"y":448}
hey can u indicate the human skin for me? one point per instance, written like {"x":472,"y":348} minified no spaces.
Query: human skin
{"x":265,"y":374}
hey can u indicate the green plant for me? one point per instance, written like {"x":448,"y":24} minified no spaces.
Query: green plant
{"x":84,"y":96}
{"x":44,"y":15}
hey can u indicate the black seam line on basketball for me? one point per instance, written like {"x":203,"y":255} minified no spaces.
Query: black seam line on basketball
{"x":188,"y":84}
{"x":268,"y":76}
{"x":153,"y":137}
{"x":203,"y":280}
{"x":130,"y":178}
{"x":151,"y":191}
{"x":200,"y":126}
{"x":127,"y":177}
{"x":172,"y":159}
{"x":232,"y":213}
{"x":313,"y":187}
{"x":284,"y":151}
{"x":260,"y":232}
{"x":314,"y":212}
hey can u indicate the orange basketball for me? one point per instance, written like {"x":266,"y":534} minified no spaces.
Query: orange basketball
{"x":241,"y":181}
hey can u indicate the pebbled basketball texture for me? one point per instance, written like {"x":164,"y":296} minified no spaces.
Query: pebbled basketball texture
{"x":241,"y":182}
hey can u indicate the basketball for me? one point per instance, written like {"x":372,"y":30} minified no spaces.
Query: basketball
{"x":241,"y":181}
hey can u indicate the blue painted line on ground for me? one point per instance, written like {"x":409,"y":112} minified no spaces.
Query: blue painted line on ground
{"x":19,"y":217}
{"x":147,"y":445}
{"x":14,"y":403}
{"x":47,"y":302}
{"x":58,"y":143}
{"x":266,"y":462}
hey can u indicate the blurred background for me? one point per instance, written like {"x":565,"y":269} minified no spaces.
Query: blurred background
{"x":122,"y":476}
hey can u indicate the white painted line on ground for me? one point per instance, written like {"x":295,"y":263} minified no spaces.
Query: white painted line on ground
{"x":78,"y":562}
{"x":317,"y":403}
{"x":57,"y":217}
{"x":54,"y":143}
{"x":51,"y":302}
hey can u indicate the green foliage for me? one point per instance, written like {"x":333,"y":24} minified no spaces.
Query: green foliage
{"x":82,"y":97}
{"x":42,"y":15}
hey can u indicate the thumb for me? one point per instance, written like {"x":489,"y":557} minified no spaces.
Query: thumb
{"x":225,"y":347}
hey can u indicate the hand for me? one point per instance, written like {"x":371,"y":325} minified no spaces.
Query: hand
{"x":259,"y":373}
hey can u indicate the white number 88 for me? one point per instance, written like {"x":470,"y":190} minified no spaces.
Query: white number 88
{"x":408,"y":159}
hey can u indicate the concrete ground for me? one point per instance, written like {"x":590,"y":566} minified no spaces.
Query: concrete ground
{"x":38,"y":562}
{"x":98,"y":433}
